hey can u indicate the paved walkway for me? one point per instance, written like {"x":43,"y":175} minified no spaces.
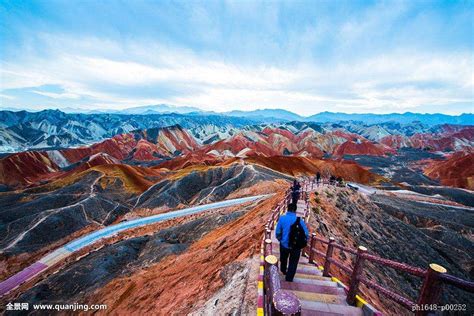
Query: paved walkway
{"x":318,"y":295}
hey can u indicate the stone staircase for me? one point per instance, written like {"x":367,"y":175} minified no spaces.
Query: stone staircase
{"x":318,"y":295}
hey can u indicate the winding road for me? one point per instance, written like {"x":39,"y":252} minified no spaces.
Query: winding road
{"x":59,"y":254}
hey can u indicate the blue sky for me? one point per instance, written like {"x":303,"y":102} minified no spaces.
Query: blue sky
{"x":303,"y":56}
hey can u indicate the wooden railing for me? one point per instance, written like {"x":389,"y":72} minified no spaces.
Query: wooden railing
{"x":276,"y":300}
{"x":434,"y":276}
{"x":281,"y":302}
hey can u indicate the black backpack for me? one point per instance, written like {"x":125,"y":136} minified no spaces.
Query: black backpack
{"x":297,"y":236}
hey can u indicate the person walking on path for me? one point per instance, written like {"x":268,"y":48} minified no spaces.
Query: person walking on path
{"x":318,"y":177}
{"x":292,"y":233}
{"x":295,"y":192}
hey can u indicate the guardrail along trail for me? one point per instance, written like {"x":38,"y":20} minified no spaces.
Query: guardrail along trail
{"x":310,"y":293}
{"x":314,"y":291}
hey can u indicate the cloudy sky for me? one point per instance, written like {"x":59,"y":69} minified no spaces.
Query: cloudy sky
{"x":307,"y":57}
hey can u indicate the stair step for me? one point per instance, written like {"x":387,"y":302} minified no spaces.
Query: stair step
{"x":311,"y":276}
{"x":320,"y":297}
{"x":312,"y":288}
{"x":305,"y":312}
{"x":308,"y":270}
{"x":305,"y":263}
{"x":310,"y":281}
{"x":309,"y":306}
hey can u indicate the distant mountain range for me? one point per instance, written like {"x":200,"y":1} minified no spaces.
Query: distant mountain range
{"x":404,"y":118}
{"x":366,"y":118}
{"x":24,"y":130}
{"x":266,"y":114}
{"x":280,"y":115}
{"x":160,"y":108}
{"x":139,"y":110}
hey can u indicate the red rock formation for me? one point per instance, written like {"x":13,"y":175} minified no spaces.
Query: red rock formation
{"x":195,"y":159}
{"x":298,"y":166}
{"x":396,"y":141}
{"x":274,"y":142}
{"x":171,"y":140}
{"x":362,"y":148}
{"x":457,"y":171}
{"x":25,"y":168}
{"x":145,"y":151}
{"x":240,"y":145}
{"x":450,"y":137}
{"x":146,"y":145}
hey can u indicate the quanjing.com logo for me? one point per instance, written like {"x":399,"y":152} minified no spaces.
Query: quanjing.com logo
{"x":17,"y":307}
{"x":57,"y":307}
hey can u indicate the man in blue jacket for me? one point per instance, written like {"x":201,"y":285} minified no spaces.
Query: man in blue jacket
{"x":283,"y":235}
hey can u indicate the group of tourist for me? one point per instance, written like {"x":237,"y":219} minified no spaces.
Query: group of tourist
{"x":332,"y":179}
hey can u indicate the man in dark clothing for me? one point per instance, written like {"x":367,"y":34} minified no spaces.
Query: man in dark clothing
{"x":295,"y":192}
{"x":283,"y":235}
{"x":318,"y":177}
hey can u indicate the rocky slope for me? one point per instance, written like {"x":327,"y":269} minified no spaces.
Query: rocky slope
{"x":122,"y":258}
{"x":89,"y":197}
{"x":204,"y":186}
{"x":399,"y":229}
{"x":448,"y":139}
{"x":457,"y":170}
{"x":36,"y":220}
{"x":176,"y":267}
{"x":302,"y":166}
{"x":184,"y":283}
{"x":362,"y":148}
{"x":406,"y":167}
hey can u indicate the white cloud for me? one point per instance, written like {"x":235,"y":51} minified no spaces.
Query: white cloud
{"x":8,"y":97}
{"x":396,"y":81}
{"x":63,"y":95}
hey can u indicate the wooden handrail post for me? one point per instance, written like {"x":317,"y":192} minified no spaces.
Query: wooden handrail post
{"x":278,"y":301}
{"x":286,"y":303}
{"x":355,"y":277}
{"x":432,"y":287}
{"x":306,"y":249}
{"x":271,"y":223}
{"x":268,"y":247}
{"x":268,"y":233}
{"x":312,"y":244}
{"x":270,"y":261}
{"x":329,"y":251}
